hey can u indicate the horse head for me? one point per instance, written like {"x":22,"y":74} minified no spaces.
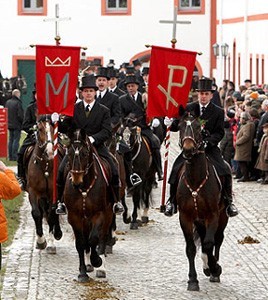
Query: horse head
{"x":45,"y":135}
{"x":80,"y":155}
{"x":130,"y":131}
{"x":191,"y":141}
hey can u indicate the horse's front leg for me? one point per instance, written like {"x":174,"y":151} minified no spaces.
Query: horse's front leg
{"x":187,"y":228}
{"x":54,"y":231}
{"x":37,"y":215}
{"x":80,"y":247}
{"x":208,"y":247}
{"x":136,"y":202}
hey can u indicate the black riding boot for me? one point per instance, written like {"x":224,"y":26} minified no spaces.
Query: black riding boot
{"x":21,"y":175}
{"x":117,"y":205}
{"x":61,"y":208}
{"x":158,"y":163}
{"x":171,"y":205}
{"x":231,"y":210}
{"x":132,"y":179}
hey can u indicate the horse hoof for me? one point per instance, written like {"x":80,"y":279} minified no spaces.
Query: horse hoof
{"x":109,"y":249}
{"x":100,"y":274}
{"x":41,"y":246}
{"x":89,"y":268}
{"x":111,"y":242}
{"x":58,"y":235}
{"x":206,"y":272}
{"x":214,"y":278}
{"x":127,"y":220}
{"x":134,"y":226}
{"x":193,"y":286}
{"x":96,"y":261}
{"x":139,"y":222}
{"x":83,"y":278}
{"x":51,"y":250}
{"x":144,"y":220}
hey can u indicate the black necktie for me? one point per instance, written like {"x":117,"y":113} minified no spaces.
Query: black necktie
{"x":99,"y":97}
{"x":87,"y":108}
{"x":203,"y":109}
{"x":133,"y":97}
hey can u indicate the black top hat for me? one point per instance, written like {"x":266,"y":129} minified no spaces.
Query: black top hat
{"x":102,"y":72}
{"x":88,"y":81}
{"x":130,"y":70}
{"x":112,"y":72}
{"x":136,"y":62}
{"x":111,"y":63}
{"x":131,"y":79}
{"x":124,"y":65}
{"x":145,"y":70}
{"x":205,"y":84}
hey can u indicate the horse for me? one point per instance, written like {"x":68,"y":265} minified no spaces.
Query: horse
{"x":142,"y":165}
{"x":39,"y":175}
{"x":201,"y":207}
{"x":86,"y":196}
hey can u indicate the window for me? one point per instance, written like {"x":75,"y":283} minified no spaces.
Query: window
{"x":189,"y":4}
{"x":32,"y":7}
{"x":116,"y":7}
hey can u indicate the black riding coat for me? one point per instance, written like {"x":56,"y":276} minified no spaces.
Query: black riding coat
{"x":111,"y":101}
{"x":214,"y":125}
{"x":130,"y":106}
{"x":28,"y":122}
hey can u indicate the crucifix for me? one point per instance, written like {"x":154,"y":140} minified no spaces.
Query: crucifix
{"x":57,"y":19}
{"x":174,"y":22}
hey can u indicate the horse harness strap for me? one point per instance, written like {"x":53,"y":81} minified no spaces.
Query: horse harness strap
{"x":195,"y":193}
{"x":84,"y":195}
{"x":105,"y":176}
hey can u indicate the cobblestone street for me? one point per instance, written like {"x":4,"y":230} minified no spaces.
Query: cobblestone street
{"x":149,"y":263}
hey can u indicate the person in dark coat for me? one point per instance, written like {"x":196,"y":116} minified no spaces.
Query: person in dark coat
{"x":213,"y":133}
{"x":15,"y":119}
{"x":106,"y":98}
{"x":113,"y":81}
{"x":28,"y":124}
{"x":131,"y":103}
{"x":95,"y":119}
{"x":263,"y":120}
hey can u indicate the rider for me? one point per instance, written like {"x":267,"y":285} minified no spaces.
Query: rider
{"x":95,"y":119}
{"x":131,"y":103}
{"x":213,"y":133}
{"x":28,"y":124}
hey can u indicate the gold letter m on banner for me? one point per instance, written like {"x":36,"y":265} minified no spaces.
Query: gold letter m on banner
{"x":171,"y":84}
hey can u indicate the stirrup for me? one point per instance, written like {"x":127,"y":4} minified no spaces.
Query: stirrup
{"x":118,"y":208}
{"x":135,"y":179}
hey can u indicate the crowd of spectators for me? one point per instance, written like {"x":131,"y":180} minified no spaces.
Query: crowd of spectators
{"x":245,"y":145}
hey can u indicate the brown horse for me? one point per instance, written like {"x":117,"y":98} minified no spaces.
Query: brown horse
{"x":202,"y":213}
{"x":39,"y":175}
{"x":142,"y":165}
{"x":86,"y":196}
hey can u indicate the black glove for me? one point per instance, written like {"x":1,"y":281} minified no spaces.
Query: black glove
{"x":205,"y":134}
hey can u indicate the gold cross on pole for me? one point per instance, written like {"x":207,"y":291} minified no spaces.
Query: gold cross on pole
{"x":174,"y":22}
{"x":57,"y":19}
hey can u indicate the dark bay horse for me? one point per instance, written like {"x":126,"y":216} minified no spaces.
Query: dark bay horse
{"x":201,"y":208}
{"x":142,"y":165}
{"x":86,"y":196}
{"x":39,"y":175}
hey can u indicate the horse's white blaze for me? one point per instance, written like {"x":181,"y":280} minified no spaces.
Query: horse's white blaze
{"x":49,"y":150}
{"x":41,"y":239}
{"x":205,"y":260}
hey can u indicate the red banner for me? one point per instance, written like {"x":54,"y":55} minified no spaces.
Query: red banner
{"x":56,"y":78}
{"x":3,"y":132}
{"x":170,"y":78}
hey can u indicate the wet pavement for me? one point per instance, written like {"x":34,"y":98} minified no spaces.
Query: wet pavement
{"x":149,"y":263}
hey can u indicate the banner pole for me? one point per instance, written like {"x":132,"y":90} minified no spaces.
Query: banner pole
{"x":55,"y":119}
{"x":164,"y":186}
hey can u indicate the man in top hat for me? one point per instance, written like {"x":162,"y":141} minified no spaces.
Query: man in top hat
{"x":95,"y":119}
{"x":213,"y":133}
{"x":113,"y":88}
{"x":107,"y":98}
{"x":131,"y":103}
{"x":138,"y":74}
